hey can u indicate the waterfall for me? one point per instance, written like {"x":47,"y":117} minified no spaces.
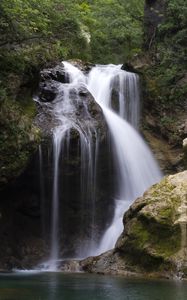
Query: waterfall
{"x":136,"y":167}
{"x":117,"y":93}
{"x":65,"y":109}
{"x":42,"y":189}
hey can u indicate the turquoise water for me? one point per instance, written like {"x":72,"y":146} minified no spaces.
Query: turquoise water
{"x":56,"y":286}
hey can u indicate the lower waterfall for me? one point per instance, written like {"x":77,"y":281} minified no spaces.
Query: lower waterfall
{"x":117,"y":93}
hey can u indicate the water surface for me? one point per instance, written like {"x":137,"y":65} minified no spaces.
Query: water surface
{"x":57,"y":286}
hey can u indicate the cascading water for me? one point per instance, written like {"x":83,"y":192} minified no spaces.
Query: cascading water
{"x":42,"y":189}
{"x":117,"y":93}
{"x":137,"y":169}
{"x":64,"y":109}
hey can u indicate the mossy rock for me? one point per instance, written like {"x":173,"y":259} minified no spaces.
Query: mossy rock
{"x":154,"y":239}
{"x":152,"y":225}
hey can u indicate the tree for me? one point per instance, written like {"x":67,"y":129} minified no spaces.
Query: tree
{"x":115,"y":28}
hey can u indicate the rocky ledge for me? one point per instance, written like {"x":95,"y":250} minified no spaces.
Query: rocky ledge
{"x":154,"y":240}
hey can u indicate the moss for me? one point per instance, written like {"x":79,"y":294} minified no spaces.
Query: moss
{"x":154,"y":239}
{"x":166,"y":213}
{"x":140,"y":234}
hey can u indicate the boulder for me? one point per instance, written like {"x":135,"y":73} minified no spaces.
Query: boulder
{"x":154,"y":240}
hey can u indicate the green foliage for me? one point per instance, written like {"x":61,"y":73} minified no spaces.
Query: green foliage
{"x":166,"y":77}
{"x":115,"y":28}
{"x":105,"y":31}
{"x":172,"y":36}
{"x":33,"y":32}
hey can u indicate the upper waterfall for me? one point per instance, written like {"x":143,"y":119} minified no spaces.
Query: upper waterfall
{"x":116,"y":89}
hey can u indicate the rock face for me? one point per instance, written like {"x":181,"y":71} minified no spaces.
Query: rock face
{"x":154,"y":240}
{"x":170,"y":158}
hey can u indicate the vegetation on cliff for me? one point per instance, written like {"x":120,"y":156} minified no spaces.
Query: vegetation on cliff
{"x":165,"y":68}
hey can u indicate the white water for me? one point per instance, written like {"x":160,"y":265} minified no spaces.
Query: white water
{"x":64,"y":110}
{"x":137,"y":169}
{"x":135,"y":165}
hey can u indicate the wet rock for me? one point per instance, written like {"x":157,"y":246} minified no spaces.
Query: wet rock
{"x":70,"y":266}
{"x":48,"y":90}
{"x":83,"y":109}
{"x":110,"y":262}
{"x":57,"y":74}
{"x":129,"y":68}
{"x":50,"y":82}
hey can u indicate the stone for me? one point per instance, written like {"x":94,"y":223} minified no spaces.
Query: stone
{"x":170,"y":159}
{"x":154,"y":240}
{"x":51,"y":93}
{"x":129,"y":68}
{"x":57,"y":74}
{"x":70,"y":266}
{"x":48,"y":90}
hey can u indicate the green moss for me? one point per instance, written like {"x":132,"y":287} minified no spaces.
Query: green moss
{"x":140,"y":235}
{"x":154,"y":239}
{"x":166,"y":213}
